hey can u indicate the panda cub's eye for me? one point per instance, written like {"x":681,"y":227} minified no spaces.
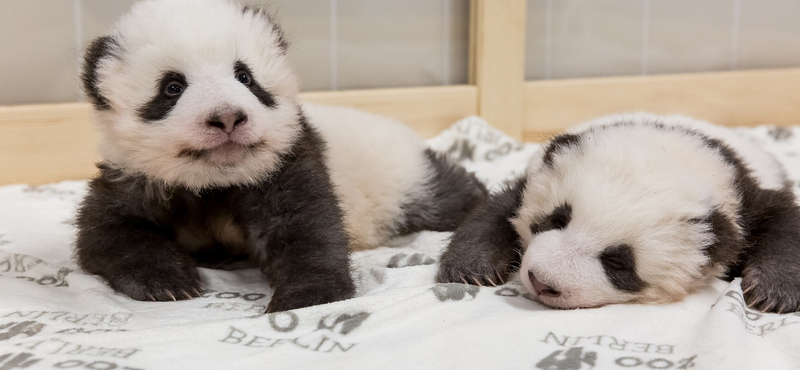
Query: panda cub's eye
{"x":618,"y":257}
{"x":561,"y":217}
{"x":619,"y":263}
{"x":244,"y":77}
{"x":174,"y":89}
{"x":556,"y":220}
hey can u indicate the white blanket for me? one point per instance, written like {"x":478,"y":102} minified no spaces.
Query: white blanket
{"x":53,"y":316}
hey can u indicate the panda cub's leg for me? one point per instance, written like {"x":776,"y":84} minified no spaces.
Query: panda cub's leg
{"x":485,"y":246}
{"x":771,"y":275}
{"x":135,"y":255}
{"x":447,"y":198}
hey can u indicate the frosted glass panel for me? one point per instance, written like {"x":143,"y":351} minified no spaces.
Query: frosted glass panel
{"x":37,"y":64}
{"x":588,"y":38}
{"x":595,"y":38}
{"x":770,"y":34}
{"x":335,"y":44}
{"x":689,"y":36}
{"x":307,"y":25}
{"x":401,"y":43}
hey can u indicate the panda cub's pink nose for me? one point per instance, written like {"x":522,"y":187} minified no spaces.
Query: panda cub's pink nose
{"x":541,"y":288}
{"x":227,"y":121}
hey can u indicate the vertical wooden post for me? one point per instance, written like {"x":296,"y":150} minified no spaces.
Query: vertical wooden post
{"x":497,"y":62}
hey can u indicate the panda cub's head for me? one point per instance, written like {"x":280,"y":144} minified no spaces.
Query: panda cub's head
{"x":193,"y":93}
{"x":624,"y":213}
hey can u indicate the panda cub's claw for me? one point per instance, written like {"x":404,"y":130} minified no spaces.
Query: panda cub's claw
{"x":152,"y":285}
{"x":770,"y":291}
{"x":480,"y":272}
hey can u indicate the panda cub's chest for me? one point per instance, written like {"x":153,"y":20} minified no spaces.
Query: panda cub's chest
{"x":204,"y":224}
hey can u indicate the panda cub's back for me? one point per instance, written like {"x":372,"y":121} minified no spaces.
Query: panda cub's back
{"x":764,"y":167}
{"x":377,"y":165}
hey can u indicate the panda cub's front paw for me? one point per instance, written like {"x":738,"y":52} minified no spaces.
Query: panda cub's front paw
{"x":159,"y":282}
{"x":771,"y":291}
{"x":294,"y":297}
{"x":475,"y":269}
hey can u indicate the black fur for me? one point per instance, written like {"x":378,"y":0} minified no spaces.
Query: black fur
{"x":128,"y":233}
{"x":558,"y":219}
{"x":267,"y":16}
{"x":764,"y":250}
{"x":484,"y":249}
{"x":557,"y":144}
{"x":100,"y":48}
{"x":263,"y":96}
{"x":769,"y":259}
{"x":454,"y":192}
{"x":766,"y":253}
{"x":161,"y":104}
{"x":619,"y":263}
{"x":771,"y":274}
{"x":728,"y":239}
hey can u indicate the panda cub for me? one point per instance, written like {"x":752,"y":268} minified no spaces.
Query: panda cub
{"x":206,"y":150}
{"x":638,"y":208}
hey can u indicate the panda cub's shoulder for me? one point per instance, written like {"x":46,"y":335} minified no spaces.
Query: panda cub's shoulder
{"x":388,"y":181}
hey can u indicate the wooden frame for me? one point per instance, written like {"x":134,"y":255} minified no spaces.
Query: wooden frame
{"x":741,"y":98}
{"x":48,"y":143}
{"x":497,"y":62}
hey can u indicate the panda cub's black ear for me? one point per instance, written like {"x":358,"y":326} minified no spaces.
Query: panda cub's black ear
{"x":100,"y":48}
{"x":263,"y":13}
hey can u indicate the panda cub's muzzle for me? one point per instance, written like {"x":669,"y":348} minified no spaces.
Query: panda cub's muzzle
{"x":228,"y":137}
{"x":542,"y":289}
{"x":227,"y":121}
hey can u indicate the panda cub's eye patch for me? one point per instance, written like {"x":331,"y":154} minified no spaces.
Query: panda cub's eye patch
{"x":617,"y":257}
{"x":619,"y":264}
{"x":243,"y":74}
{"x":171,"y":86}
{"x":556,"y":220}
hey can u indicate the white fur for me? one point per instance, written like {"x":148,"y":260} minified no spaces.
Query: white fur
{"x":376,"y":164}
{"x":201,"y":39}
{"x":635,"y":185}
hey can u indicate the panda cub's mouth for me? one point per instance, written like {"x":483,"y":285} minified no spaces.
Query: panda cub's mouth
{"x":225,"y":153}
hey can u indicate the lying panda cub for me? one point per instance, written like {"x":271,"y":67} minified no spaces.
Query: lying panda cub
{"x":206,"y":148}
{"x":638,"y":208}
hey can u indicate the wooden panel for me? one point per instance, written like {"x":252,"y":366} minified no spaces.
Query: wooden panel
{"x":46,"y":143}
{"x":497,"y":62}
{"x":743,"y":98}
{"x":428,"y":110}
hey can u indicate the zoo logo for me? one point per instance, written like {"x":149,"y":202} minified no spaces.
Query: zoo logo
{"x":575,"y":358}
{"x":20,"y":361}
{"x":13,"y":329}
{"x":571,"y":359}
{"x":454,"y":292}
{"x":26,"y":265}
{"x":404,"y":260}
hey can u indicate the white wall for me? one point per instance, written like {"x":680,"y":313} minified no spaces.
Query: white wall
{"x":350,"y":44}
{"x":336,"y":44}
{"x":587,"y":38}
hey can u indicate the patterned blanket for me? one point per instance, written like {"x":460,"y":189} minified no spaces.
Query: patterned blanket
{"x":53,"y":316}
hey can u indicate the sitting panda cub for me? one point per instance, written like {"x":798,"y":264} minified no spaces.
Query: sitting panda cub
{"x":206,"y":149}
{"x":638,"y":208}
